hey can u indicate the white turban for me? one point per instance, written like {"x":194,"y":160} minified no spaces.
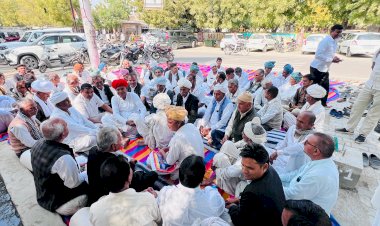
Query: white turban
{"x":43,"y":86}
{"x":316,"y":91}
{"x":183,"y":82}
{"x":161,"y":101}
{"x":160,"y":81}
{"x":255,"y":132}
{"x":222,"y":88}
{"x":58,"y":97}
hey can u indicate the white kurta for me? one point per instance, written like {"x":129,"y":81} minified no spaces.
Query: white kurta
{"x":291,"y":152}
{"x":287,"y":93}
{"x":88,"y":108}
{"x":280,"y":80}
{"x":259,"y":99}
{"x":125,"y":208}
{"x":271,"y":113}
{"x":325,"y":54}
{"x":70,"y":93}
{"x":180,"y":205}
{"x":154,"y":129}
{"x":123,"y":109}
{"x":82,"y":132}
{"x":317,"y":181}
{"x":211,"y":119}
{"x":319,"y":112}
{"x":186,"y":141}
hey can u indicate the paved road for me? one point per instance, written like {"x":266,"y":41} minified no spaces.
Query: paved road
{"x":351,"y":69}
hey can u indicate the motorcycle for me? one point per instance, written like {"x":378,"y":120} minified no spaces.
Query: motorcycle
{"x":49,"y":61}
{"x":239,"y":48}
{"x":162,"y":52}
{"x":110,"y":53}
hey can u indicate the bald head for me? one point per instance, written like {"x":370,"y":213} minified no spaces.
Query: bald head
{"x":305,"y":120}
{"x":28,"y":107}
{"x":72,"y":80}
{"x":54,"y":129}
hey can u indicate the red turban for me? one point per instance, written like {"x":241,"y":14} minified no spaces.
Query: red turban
{"x":119,"y":82}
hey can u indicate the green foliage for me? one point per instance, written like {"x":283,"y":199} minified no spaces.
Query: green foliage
{"x":110,"y":13}
{"x":36,"y":12}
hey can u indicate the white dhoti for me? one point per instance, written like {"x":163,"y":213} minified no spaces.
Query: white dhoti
{"x":83,"y":143}
{"x":81,"y":218}
{"x":26,"y":160}
{"x":72,"y":206}
{"x":228,"y":171}
{"x":289,"y":120}
{"x":110,"y":120}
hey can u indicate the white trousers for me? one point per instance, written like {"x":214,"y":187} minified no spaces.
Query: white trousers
{"x":72,"y":206}
{"x":83,"y":143}
{"x":26,"y":160}
{"x":81,"y":217}
{"x":365,"y":97}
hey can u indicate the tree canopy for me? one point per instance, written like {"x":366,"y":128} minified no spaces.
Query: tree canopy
{"x":110,"y":13}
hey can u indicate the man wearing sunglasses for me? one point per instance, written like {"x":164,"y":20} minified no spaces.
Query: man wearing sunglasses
{"x":317,"y":180}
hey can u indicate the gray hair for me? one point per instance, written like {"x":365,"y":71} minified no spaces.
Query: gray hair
{"x":325,"y":144}
{"x":23,"y":102}
{"x":260,"y":71}
{"x":53,"y":128}
{"x":233,"y":81}
{"x":106,"y":137}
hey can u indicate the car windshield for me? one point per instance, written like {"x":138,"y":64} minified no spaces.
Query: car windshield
{"x":257,"y":37}
{"x":25,"y":37}
{"x":369,"y":37}
{"x":314,"y":38}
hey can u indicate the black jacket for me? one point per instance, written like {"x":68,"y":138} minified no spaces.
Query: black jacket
{"x":137,"y":89}
{"x":191,"y":106}
{"x":261,"y":202}
{"x":107,"y":91}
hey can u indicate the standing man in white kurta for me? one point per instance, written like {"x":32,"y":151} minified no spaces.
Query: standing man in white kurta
{"x":370,"y":93}
{"x":324,"y":57}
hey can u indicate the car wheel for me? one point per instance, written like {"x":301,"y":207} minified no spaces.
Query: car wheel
{"x":348,"y":53}
{"x":174,"y":45}
{"x":42,"y":68}
{"x":30,"y":62}
{"x":265,"y":49}
{"x":193,"y":44}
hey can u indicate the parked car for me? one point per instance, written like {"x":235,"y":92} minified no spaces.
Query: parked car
{"x":9,"y":36}
{"x":310,"y":44}
{"x":262,"y":42}
{"x":61,"y":43}
{"x":176,"y":38}
{"x":28,"y":38}
{"x":227,"y":39}
{"x":360,"y":43}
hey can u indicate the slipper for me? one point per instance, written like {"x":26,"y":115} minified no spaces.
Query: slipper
{"x":374,"y":161}
{"x":333,"y":112}
{"x":340,"y":100}
{"x":365,"y":159}
{"x":339,"y":115}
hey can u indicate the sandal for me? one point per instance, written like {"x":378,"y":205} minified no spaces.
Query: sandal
{"x":374,"y":161}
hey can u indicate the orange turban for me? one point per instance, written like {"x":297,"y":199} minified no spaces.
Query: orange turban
{"x":78,"y":67}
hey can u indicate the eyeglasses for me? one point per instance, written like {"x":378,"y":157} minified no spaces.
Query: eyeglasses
{"x":308,"y":143}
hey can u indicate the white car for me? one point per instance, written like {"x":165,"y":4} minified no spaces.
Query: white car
{"x":228,"y":39}
{"x":61,"y":43}
{"x":310,"y":44}
{"x":360,"y":43}
{"x":261,"y":42}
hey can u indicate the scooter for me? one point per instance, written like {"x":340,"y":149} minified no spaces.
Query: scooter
{"x":49,"y":61}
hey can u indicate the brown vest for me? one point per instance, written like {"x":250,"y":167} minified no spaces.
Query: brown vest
{"x":16,"y":144}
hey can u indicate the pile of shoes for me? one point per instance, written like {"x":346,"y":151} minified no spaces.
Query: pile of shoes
{"x":371,"y":160}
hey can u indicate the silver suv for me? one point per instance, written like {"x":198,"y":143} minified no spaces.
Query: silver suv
{"x":61,"y":43}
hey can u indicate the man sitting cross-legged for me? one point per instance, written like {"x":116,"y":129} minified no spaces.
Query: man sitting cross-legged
{"x":123,"y":205}
{"x":271,"y":114}
{"x":88,"y":104}
{"x":185,"y":203}
{"x":263,"y":199}
{"x":317,"y":180}
{"x":187,"y":100}
{"x":60,"y":185}
{"x":289,"y":154}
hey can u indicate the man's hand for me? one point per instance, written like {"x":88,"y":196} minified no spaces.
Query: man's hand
{"x":232,"y":201}
{"x":225,"y":138}
{"x":207,"y":182}
{"x":205,"y":131}
{"x":273,"y":157}
{"x":151,"y":191}
{"x":336,"y":59}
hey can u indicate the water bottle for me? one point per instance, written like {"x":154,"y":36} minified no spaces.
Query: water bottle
{"x":336,"y":144}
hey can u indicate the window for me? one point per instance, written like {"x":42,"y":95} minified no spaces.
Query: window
{"x":314,"y":38}
{"x":69,"y":39}
{"x":51,"y":40}
{"x":25,"y":37}
{"x":183,"y":34}
{"x":369,"y":37}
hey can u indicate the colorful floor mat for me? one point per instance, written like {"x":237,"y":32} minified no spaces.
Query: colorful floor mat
{"x":3,"y":136}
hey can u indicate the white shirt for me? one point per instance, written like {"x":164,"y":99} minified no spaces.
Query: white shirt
{"x":122,"y":109}
{"x":325,"y":54}
{"x":211,"y":78}
{"x":47,"y":107}
{"x":280,"y":80}
{"x":173,"y":83}
{"x":291,"y":152}
{"x":84,"y":77}
{"x":374,"y":79}
{"x":186,"y":141}
{"x":271,"y":113}
{"x":287,"y":92}
{"x":319,"y":112}
{"x":125,"y":208}
{"x":211,"y":119}
{"x":259,"y":99}
{"x":88,"y":108}
{"x":270,"y":76}
{"x":70,"y":93}
{"x":103,"y":95}
{"x":180,"y":205}
{"x":243,"y":81}
{"x":233,"y":97}
{"x":317,"y":181}
{"x":77,"y":124}
{"x":68,"y":170}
